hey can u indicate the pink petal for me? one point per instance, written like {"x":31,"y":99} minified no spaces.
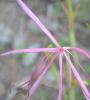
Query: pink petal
{"x":77,"y":62}
{"x":76,"y":74}
{"x":40,"y":67}
{"x":83,"y":52}
{"x":60,"y":77}
{"x":36,"y":73}
{"x":35,"y":50}
{"x":39,"y":23}
{"x":36,"y":84}
{"x":84,"y":71}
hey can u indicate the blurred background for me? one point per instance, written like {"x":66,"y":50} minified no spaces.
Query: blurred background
{"x":18,"y":31}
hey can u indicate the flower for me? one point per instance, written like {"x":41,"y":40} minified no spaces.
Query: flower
{"x":59,"y":52}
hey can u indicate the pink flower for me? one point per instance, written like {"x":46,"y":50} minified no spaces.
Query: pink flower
{"x":59,"y":52}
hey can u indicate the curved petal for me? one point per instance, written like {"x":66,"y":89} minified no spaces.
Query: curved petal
{"x":81,"y":51}
{"x":35,"y":50}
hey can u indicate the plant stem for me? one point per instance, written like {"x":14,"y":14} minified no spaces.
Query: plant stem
{"x":72,"y":42}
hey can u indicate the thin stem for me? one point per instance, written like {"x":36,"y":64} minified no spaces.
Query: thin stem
{"x":71,"y":18}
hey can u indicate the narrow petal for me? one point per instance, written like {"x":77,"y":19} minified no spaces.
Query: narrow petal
{"x":76,"y":74}
{"x":83,"y":52}
{"x":35,"y":50}
{"x":37,"y":21}
{"x":60,"y":77}
{"x":81,"y":67}
{"x":36,"y":73}
{"x":40,"y":66}
{"x":79,"y":50}
{"x":36,"y":84}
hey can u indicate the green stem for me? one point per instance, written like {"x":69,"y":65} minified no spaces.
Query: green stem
{"x":72,"y":38}
{"x":69,"y":3}
{"x":72,"y":41}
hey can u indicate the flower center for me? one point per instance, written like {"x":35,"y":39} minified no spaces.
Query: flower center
{"x":61,"y":49}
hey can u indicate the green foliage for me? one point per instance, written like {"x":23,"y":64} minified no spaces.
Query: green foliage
{"x":57,"y":7}
{"x":84,"y":9}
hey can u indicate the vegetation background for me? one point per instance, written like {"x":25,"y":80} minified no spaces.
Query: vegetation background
{"x":17,"y":31}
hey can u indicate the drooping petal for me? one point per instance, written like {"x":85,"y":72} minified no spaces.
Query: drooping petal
{"x":36,"y":84}
{"x":81,"y":51}
{"x":34,"y":75}
{"x":29,"y":12}
{"x":41,"y":65}
{"x":60,"y":77}
{"x":77,"y":76}
{"x":84,"y":71}
{"x":79,"y":64}
{"x":35,"y":50}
